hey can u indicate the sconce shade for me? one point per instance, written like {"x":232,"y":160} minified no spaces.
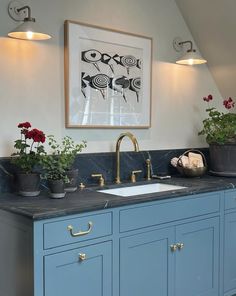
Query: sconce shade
{"x":29,"y":30}
{"x":191,"y":58}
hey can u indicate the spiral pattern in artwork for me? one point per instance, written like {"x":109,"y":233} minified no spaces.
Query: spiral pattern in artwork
{"x":136,"y":84}
{"x":100,"y":81}
{"x":128,"y":61}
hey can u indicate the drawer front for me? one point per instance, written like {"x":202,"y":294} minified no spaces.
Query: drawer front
{"x":158,"y":213}
{"x":76,"y":230}
{"x":230,"y":200}
{"x":66,"y":273}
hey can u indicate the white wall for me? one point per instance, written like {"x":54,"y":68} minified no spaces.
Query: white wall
{"x":32,"y":77}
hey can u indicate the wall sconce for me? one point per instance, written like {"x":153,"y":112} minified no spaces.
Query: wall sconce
{"x":191,"y":57}
{"x":29,"y":30}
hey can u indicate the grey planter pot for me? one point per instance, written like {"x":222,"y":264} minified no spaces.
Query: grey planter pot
{"x":223,"y":159}
{"x":73,"y":177}
{"x":28,"y":184}
{"x":57,"y":188}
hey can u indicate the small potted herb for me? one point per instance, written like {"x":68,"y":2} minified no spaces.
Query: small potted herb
{"x":57,"y":164}
{"x":29,"y":150}
{"x":69,"y":150}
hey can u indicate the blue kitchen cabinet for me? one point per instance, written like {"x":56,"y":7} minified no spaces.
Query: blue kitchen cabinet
{"x":229,"y":253}
{"x":83,"y":271}
{"x":145,"y":266}
{"x":197,"y":258}
{"x":230,"y":244}
{"x":181,"y":260}
{"x":170,"y":247}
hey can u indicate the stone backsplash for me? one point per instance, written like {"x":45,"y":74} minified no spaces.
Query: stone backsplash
{"x":105,"y":164}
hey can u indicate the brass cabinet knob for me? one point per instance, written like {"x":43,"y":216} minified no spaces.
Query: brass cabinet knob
{"x":180,"y":246}
{"x":173,"y":247}
{"x":81,"y":186}
{"x":82,"y":256}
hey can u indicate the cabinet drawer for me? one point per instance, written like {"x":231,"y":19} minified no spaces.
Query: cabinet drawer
{"x":230,"y":200}
{"x":65,"y":273}
{"x":159,"y":213}
{"x":75,"y":230}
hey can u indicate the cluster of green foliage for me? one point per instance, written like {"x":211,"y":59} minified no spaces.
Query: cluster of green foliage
{"x":27,"y":162}
{"x":61,"y":159}
{"x":219,"y":127}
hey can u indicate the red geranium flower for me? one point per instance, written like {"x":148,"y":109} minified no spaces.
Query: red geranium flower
{"x":229,"y":103}
{"x":24,"y":125}
{"x":208,"y":98}
{"x":36,"y":135}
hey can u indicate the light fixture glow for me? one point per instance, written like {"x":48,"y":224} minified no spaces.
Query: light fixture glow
{"x":191,"y":57}
{"x":28,"y":30}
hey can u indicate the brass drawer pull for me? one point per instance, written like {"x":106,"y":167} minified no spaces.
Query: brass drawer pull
{"x":80,"y":233}
{"x":82,"y":256}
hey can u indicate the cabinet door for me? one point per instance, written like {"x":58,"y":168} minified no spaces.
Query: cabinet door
{"x":197,"y":262}
{"x":84,"y":271}
{"x":229,"y":252}
{"x":144,"y":265}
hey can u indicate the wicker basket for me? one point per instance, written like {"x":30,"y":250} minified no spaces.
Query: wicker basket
{"x":191,"y":172}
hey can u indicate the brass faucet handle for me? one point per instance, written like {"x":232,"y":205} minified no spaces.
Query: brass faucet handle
{"x":101,"y":179}
{"x":133,"y":175}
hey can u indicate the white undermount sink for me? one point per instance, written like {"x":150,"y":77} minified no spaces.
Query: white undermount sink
{"x":142,"y":189}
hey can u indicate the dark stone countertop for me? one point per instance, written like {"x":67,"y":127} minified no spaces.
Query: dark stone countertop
{"x":88,"y":199}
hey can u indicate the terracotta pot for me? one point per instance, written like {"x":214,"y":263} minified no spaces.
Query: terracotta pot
{"x":223,"y":159}
{"x":57,"y":188}
{"x":28,"y":184}
{"x":72,"y":175}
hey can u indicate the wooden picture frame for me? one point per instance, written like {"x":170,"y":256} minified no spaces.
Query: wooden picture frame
{"x":107,"y":77}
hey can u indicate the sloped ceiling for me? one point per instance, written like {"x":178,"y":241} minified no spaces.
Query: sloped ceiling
{"x":213,"y":27}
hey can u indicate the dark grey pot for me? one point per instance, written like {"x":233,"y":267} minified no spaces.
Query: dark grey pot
{"x":28,"y":184}
{"x":223,"y":159}
{"x":57,"y":188}
{"x":72,"y":175}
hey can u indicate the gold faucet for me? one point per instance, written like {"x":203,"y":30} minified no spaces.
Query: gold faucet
{"x":118,"y":142}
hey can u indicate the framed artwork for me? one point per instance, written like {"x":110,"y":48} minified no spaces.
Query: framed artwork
{"x":107,"y":78}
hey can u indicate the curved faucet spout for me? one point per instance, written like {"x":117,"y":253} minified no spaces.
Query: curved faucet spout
{"x":118,"y":142}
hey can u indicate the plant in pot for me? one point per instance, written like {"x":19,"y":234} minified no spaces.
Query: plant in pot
{"x":69,"y":150}
{"x":54,"y":170}
{"x":57,"y":166}
{"x":220,"y":131}
{"x":29,"y":150}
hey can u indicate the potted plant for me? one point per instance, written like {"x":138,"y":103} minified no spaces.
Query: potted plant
{"x":54,"y":170}
{"x":220,"y":131}
{"x":57,"y":164}
{"x":29,"y":151}
{"x":69,"y":150}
